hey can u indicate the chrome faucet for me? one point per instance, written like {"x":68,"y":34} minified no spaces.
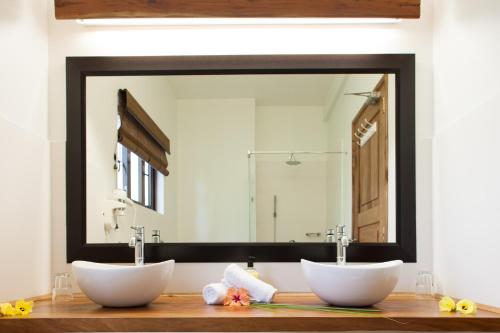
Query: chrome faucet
{"x":137,"y":242}
{"x":342,"y":243}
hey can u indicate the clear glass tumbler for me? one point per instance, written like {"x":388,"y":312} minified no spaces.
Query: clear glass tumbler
{"x":62,"y":291}
{"x":425,"y":284}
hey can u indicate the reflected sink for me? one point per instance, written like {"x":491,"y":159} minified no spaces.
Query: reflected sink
{"x":122,"y":286}
{"x":352,"y":284}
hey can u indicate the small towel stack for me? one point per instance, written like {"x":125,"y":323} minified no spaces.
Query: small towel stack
{"x":236,"y":277}
{"x":214,"y":293}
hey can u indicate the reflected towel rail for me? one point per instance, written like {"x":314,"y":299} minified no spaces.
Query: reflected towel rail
{"x":366,"y":131}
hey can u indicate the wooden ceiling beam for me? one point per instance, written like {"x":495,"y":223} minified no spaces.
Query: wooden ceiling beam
{"x":86,"y":9}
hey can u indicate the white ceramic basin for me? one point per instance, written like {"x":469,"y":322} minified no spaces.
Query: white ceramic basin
{"x":122,"y":286}
{"x":352,"y":284}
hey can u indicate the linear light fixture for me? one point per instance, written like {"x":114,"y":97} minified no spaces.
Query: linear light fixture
{"x":232,"y":21}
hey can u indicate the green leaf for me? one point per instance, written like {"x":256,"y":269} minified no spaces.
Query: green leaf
{"x":315,"y":308}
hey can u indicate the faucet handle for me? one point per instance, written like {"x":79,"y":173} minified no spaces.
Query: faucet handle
{"x":132,"y":242}
{"x":138,"y":229}
{"x":339,"y":232}
{"x":138,"y":236}
{"x":345,"y":241}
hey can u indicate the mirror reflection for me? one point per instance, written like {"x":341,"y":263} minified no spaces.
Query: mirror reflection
{"x":241,"y":158}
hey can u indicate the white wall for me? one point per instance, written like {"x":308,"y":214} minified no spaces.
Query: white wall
{"x":155,"y":96}
{"x":214,"y":137}
{"x":290,"y":128}
{"x":466,"y":159}
{"x":68,"y":39}
{"x":300,"y":189}
{"x":25,"y":163}
{"x":300,"y":199}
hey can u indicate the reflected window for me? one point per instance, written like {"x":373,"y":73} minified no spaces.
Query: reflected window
{"x":137,"y":177}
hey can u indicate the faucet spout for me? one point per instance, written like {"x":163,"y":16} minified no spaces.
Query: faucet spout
{"x":137,"y":242}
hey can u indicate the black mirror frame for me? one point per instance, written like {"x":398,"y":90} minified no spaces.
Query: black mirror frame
{"x":78,"y":68}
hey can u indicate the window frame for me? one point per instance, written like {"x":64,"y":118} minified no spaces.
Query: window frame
{"x":152,"y":175}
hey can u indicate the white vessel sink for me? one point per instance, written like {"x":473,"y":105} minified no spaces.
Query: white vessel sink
{"x":122,"y":286}
{"x":352,"y":284}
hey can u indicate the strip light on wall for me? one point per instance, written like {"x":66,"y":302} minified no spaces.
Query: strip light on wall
{"x":232,"y":21}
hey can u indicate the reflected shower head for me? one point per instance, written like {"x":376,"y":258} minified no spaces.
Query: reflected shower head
{"x":292,"y":160}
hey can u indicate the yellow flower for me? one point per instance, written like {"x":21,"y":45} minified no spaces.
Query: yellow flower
{"x":446,"y":304}
{"x":6,"y":309}
{"x":466,"y":306}
{"x":24,"y":308}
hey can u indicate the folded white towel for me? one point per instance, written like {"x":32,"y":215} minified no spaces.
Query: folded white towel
{"x":235,"y":276}
{"x":214,"y":293}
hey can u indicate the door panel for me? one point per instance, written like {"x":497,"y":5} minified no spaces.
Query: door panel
{"x":370,"y":231}
{"x":369,"y":171}
{"x":368,"y":156}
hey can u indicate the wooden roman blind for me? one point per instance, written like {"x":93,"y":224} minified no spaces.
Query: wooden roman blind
{"x":140,"y":134}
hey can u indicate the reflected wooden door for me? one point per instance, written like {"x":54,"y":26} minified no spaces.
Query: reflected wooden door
{"x":369,"y":170}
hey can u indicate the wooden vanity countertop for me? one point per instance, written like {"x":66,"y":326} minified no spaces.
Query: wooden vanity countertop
{"x":188,"y":313}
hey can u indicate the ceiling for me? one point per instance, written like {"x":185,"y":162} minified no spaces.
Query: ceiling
{"x":273,"y":89}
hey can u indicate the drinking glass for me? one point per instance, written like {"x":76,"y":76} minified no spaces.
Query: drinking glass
{"x":425,"y":283}
{"x":62,"y":290}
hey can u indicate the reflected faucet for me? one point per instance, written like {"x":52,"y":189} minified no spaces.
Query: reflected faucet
{"x":342,"y":243}
{"x":137,"y":242}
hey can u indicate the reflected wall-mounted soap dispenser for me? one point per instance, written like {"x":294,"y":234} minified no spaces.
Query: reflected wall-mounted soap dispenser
{"x":115,"y":207}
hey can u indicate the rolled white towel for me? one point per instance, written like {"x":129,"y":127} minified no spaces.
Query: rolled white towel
{"x":235,"y":276}
{"x":214,"y":293}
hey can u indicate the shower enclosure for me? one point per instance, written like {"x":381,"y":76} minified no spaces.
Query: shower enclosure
{"x":290,"y":194}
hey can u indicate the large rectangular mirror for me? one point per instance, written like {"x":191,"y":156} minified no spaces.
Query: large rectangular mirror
{"x":251,"y":158}
{"x":246,"y":152}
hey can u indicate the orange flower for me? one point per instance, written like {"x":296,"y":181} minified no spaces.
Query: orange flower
{"x":237,"y":297}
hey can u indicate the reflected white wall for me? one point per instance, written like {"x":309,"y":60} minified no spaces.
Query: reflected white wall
{"x":300,"y":190}
{"x":155,"y":96}
{"x":214,"y":137}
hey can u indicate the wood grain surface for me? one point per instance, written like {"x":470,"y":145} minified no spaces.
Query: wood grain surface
{"x":84,"y":9}
{"x":188,"y":313}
